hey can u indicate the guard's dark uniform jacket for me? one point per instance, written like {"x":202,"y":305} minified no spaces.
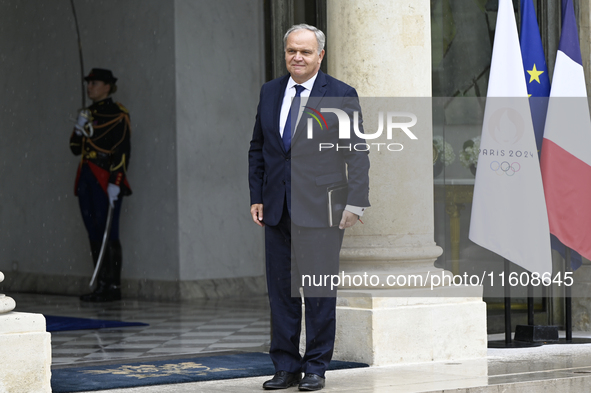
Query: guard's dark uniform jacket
{"x":108,"y":151}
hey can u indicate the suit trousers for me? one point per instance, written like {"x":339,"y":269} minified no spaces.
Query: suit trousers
{"x":293,"y":251}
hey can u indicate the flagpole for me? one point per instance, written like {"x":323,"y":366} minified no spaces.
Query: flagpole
{"x":530,"y":303}
{"x":531,"y":332}
{"x":568,"y":302}
{"x":507,"y":287}
{"x":508,"y":342}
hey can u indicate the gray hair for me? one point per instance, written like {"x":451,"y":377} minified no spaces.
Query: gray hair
{"x":320,"y":38}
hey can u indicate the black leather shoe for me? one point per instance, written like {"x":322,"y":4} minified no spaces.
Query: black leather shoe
{"x":109,"y":293}
{"x":312,"y":382}
{"x":282,"y":380}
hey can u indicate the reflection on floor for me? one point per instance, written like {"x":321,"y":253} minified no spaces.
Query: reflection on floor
{"x":174,"y":328}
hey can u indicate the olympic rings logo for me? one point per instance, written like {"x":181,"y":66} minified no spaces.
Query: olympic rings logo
{"x":504,"y":168}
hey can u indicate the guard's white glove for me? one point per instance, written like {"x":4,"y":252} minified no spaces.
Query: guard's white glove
{"x":83,"y":118}
{"x":113,"y":191}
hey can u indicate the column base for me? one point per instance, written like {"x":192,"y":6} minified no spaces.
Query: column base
{"x":385,"y":327}
{"x":25,"y":353}
{"x":6,"y":304}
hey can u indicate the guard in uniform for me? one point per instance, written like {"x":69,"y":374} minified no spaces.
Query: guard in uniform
{"x":102,"y":137}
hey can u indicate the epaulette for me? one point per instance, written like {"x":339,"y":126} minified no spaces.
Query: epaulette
{"x":123,"y":109}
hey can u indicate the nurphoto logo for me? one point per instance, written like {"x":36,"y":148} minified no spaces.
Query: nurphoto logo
{"x":393,"y":122}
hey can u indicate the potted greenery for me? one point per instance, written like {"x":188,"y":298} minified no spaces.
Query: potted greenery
{"x":443,"y":155}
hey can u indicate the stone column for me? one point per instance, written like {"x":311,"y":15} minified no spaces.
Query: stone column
{"x":383,"y":49}
{"x":25,"y":350}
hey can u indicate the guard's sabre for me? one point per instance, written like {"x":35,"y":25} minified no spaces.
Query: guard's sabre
{"x":79,"y":53}
{"x":110,"y":212}
{"x":104,"y":245}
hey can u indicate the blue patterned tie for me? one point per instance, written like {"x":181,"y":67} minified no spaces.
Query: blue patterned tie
{"x":287,"y":131}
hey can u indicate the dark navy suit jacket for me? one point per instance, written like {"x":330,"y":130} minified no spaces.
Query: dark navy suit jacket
{"x":302,"y":174}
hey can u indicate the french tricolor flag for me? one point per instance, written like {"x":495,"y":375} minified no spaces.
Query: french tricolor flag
{"x":566,"y":148}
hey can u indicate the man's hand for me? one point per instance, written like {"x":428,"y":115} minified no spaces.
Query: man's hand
{"x":256,"y":211}
{"x":349,"y":219}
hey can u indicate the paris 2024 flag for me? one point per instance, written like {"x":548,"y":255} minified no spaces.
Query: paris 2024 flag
{"x":509,"y":210}
{"x":566,"y":148}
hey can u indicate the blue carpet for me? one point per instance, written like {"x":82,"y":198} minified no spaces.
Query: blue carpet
{"x":126,"y":375}
{"x":58,"y":324}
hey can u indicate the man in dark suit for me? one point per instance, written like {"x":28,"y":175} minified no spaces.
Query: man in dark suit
{"x":291,"y":169}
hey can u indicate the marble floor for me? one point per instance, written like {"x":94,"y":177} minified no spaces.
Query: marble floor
{"x":547,"y":369}
{"x":218,"y":326}
{"x":173,"y":329}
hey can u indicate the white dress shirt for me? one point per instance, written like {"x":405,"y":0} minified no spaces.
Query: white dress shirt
{"x":288,"y":96}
